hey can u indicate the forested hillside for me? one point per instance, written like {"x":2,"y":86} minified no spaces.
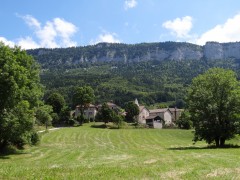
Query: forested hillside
{"x":149,"y":81}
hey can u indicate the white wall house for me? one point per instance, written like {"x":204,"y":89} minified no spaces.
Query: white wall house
{"x":165,"y":114}
{"x":143,"y":113}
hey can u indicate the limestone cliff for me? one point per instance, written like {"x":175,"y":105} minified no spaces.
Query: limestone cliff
{"x":178,"y":51}
{"x":215,"y":50}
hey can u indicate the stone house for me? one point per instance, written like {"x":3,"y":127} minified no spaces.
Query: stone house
{"x":156,"y":118}
{"x":165,"y":114}
{"x":89,"y":113}
{"x":143,"y":113}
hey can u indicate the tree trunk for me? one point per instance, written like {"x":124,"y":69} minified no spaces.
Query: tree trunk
{"x":217,"y":141}
{"x":222,"y":142}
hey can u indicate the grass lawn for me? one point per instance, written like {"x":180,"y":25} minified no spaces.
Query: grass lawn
{"x":93,"y":153}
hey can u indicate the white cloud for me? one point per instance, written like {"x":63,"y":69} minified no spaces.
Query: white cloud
{"x":106,"y":37}
{"x":227,"y":32}
{"x":130,"y":4}
{"x":55,"y":33}
{"x":7,"y":42}
{"x":47,"y":36}
{"x":28,"y":43}
{"x":31,"y":21}
{"x":179,"y":27}
{"x":66,"y":30}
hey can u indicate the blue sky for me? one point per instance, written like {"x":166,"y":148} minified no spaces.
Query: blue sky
{"x":66,"y":23}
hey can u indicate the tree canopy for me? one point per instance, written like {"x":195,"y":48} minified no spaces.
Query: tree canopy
{"x":214,"y":106}
{"x":132,"y":110}
{"x":20,"y":92}
{"x":82,"y":97}
{"x":57,"y":102}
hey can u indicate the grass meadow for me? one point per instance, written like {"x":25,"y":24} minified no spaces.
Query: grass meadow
{"x":94,"y":153}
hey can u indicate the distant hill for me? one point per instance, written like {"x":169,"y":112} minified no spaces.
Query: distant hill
{"x":105,"y":52}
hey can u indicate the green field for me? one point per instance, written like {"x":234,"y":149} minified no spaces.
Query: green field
{"x":93,"y":153}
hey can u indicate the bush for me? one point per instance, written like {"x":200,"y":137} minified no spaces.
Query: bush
{"x":184,"y":122}
{"x":169,"y":126}
{"x":72,"y":122}
{"x":35,"y":138}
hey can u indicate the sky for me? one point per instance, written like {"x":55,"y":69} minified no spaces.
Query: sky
{"x":68,"y":23}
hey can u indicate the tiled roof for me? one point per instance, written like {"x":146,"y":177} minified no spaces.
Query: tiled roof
{"x":158,"y":110}
{"x":141,"y":108}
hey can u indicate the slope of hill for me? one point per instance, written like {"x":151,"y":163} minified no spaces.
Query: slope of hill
{"x":151,"y":82}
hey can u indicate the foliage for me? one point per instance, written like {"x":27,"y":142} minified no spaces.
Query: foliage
{"x":184,"y":121}
{"x":132,"y":110}
{"x":104,"y":114}
{"x":65,"y":115}
{"x":43,"y":115}
{"x":57,"y":102}
{"x":214,"y":105}
{"x":20,"y":92}
{"x":55,"y":118}
{"x":118,"y":120}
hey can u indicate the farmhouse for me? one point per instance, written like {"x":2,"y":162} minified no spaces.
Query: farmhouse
{"x":165,"y":114}
{"x":156,"y":118}
{"x":89,"y":113}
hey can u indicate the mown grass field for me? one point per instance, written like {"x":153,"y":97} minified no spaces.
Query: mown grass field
{"x":93,"y":153}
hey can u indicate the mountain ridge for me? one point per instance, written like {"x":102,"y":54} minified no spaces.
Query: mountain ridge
{"x":103,"y":52}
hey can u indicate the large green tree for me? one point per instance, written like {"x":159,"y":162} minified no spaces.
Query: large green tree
{"x":43,"y":115}
{"x":132,"y":110}
{"x":57,"y":102}
{"x":82,"y":97}
{"x":104,"y":114}
{"x":20,"y":91}
{"x":214,"y":106}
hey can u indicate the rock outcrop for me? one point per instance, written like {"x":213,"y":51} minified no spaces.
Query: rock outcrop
{"x":215,"y":50}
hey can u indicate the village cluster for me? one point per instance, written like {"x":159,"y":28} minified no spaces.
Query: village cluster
{"x":154,"y":118}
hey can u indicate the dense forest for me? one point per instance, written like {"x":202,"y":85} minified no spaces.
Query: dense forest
{"x":151,"y":82}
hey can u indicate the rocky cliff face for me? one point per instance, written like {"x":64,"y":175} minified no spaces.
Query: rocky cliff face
{"x":137,"y":52}
{"x":215,"y":50}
